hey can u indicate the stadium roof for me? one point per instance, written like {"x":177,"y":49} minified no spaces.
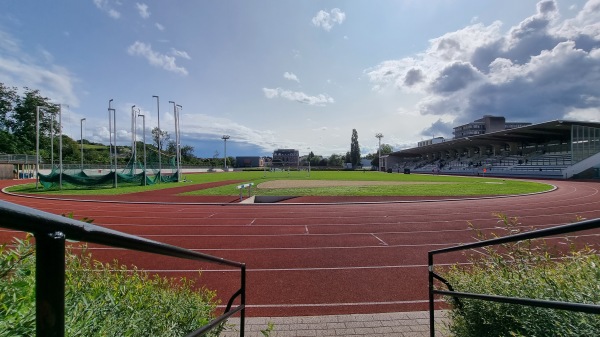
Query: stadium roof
{"x":557,"y":130}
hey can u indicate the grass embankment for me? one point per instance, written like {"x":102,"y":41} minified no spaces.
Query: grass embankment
{"x":101,"y":299}
{"x":416,"y":185}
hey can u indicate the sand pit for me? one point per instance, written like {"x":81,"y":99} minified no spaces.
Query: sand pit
{"x":336,"y":183}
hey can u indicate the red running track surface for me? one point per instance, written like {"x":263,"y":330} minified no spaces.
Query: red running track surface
{"x":316,"y":259}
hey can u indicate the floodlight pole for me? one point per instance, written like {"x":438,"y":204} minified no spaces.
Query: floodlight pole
{"x":379,"y":136}
{"x":225,"y":137}
{"x":177,"y":139}
{"x":37,"y":146}
{"x":81,"y":130}
{"x":114,"y":125}
{"x":144,"y":140}
{"x":159,"y":138}
{"x":308,"y":161}
{"x":133,"y":138}
{"x":60,"y":163}
{"x":178,"y":143}
{"x":52,"y":142}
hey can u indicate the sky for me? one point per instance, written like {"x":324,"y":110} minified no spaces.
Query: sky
{"x":303,"y":74}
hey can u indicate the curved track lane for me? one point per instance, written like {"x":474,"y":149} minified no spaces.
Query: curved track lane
{"x":310,"y":259}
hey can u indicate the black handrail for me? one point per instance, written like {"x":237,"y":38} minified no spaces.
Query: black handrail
{"x":51,"y":231}
{"x":558,"y":230}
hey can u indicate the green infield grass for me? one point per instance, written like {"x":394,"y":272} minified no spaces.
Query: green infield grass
{"x":387,"y":185}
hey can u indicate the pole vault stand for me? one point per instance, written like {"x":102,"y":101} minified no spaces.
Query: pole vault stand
{"x":247,"y":186}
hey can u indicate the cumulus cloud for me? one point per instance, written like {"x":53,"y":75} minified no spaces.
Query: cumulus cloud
{"x":291,"y":77}
{"x":300,"y":97}
{"x":105,"y":6}
{"x":154,"y":58}
{"x":20,"y":69}
{"x":540,"y":69}
{"x":327,"y":20}
{"x":143,"y":10}
{"x":180,"y":53}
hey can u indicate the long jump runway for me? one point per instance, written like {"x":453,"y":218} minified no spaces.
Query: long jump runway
{"x":318,"y":259}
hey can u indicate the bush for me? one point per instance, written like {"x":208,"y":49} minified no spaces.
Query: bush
{"x":101,"y":299}
{"x":526,"y":270}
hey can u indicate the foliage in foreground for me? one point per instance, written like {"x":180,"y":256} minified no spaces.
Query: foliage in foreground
{"x":101,"y":299}
{"x":527,"y":270}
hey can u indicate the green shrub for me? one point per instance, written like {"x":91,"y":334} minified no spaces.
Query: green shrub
{"x":101,"y":299}
{"x":526,"y":269}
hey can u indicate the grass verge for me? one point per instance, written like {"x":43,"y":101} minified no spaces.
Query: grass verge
{"x":566,"y":272}
{"x":101,"y":299}
{"x":446,"y":185}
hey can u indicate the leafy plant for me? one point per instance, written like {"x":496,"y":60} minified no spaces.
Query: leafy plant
{"x":567,"y":271}
{"x":102,"y":299}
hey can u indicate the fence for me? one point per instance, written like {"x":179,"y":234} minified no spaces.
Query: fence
{"x":558,"y":230}
{"x":50,"y":233}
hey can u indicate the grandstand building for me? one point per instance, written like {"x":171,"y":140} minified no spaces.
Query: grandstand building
{"x":286,"y":157}
{"x":555,"y":149}
{"x":487,"y":124}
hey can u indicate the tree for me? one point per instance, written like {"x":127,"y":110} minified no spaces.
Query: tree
{"x":354,"y":149}
{"x":187,"y":154}
{"x":8,"y":99}
{"x":335,"y":160}
{"x":164,"y":138}
{"x":21,"y":120}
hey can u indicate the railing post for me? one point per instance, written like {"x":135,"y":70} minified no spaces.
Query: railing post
{"x":50,"y":284}
{"x":243,"y":302}
{"x":431,"y":305}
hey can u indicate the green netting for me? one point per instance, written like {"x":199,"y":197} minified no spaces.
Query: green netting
{"x":135,"y":173}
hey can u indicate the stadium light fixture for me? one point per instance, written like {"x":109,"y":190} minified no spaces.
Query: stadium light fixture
{"x":225,"y":137}
{"x":159,"y":137}
{"x":144,"y":141}
{"x":81,"y":130}
{"x":379,"y":136}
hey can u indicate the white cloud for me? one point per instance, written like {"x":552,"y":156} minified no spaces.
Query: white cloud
{"x":154,"y":58}
{"x":537,"y":70}
{"x":22,"y":70}
{"x":104,"y":6}
{"x":180,"y":53}
{"x":291,"y":77}
{"x":143,"y":10}
{"x":297,"y":96}
{"x":159,"y":26}
{"x":327,"y":20}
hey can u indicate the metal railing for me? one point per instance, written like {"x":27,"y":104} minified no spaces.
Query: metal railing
{"x":51,"y":231}
{"x":558,"y":230}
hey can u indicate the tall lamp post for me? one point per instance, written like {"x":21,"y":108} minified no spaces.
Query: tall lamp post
{"x":177,"y":141}
{"x":81,"y":130}
{"x":379,"y":136}
{"x":159,"y":137}
{"x":133,"y":139}
{"x":60,"y":163}
{"x":225,"y":137}
{"x":144,"y":140}
{"x":113,"y":131}
{"x":37,"y":146}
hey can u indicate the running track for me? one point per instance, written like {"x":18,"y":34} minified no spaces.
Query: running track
{"x":317,"y":259}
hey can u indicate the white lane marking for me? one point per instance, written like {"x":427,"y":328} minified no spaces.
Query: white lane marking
{"x":381,"y":242}
{"x":252,"y":222}
{"x":306,"y":229}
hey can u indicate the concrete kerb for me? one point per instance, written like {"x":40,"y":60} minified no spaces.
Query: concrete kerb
{"x":401,"y":324}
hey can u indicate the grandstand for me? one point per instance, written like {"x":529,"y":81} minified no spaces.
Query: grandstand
{"x":555,"y":149}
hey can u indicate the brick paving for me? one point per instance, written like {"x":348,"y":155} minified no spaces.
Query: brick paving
{"x":396,"y":324}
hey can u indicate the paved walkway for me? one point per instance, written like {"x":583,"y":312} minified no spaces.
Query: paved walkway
{"x":400,"y":324}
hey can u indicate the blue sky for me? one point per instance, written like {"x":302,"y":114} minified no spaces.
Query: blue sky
{"x":303,"y":74}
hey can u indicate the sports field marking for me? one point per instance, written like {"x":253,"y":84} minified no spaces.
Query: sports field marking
{"x":380,"y":240}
